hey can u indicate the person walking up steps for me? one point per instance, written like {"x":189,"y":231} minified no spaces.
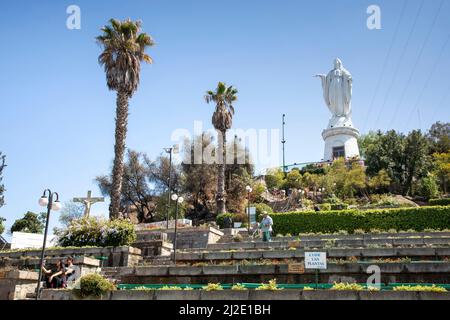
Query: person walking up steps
{"x":266,"y":227}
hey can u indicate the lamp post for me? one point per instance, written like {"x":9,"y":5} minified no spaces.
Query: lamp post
{"x":179,"y":200}
{"x":249,"y":190}
{"x":46,"y":201}
{"x":170,"y":151}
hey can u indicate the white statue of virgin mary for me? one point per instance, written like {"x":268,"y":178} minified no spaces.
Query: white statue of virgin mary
{"x":337,"y":92}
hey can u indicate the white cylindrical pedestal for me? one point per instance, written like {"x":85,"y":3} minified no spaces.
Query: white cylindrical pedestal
{"x":340,"y":142}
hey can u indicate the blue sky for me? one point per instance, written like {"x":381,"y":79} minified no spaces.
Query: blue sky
{"x":57,"y":116}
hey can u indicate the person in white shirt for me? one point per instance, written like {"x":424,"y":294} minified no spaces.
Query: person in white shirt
{"x":266,"y":227}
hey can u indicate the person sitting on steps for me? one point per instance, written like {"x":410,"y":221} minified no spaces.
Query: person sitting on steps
{"x":72,"y":272}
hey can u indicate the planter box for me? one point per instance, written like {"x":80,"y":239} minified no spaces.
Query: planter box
{"x":224,"y":295}
{"x":217,"y":255}
{"x":151,"y":271}
{"x":265,"y":295}
{"x":330,"y":295}
{"x":178,"y":295}
{"x":110,"y":256}
{"x":257,"y":269}
{"x":133,"y":295}
{"x":185,"y":271}
{"x":262,"y":295}
{"x":220,"y":270}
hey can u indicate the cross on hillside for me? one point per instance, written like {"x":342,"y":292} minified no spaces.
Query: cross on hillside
{"x":88,"y":201}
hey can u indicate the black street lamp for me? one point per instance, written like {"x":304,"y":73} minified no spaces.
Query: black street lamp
{"x":249,"y":191}
{"x":46,"y":201}
{"x":179,"y":200}
{"x":170,"y":151}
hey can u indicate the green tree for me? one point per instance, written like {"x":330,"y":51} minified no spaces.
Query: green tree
{"x":379,"y":182}
{"x":294,"y":180}
{"x":439,"y":137}
{"x":417,"y":161}
{"x":222,"y":120}
{"x":123,"y":51}
{"x":31,"y":223}
{"x":428,"y":186}
{"x":143,"y":180}
{"x":442,"y":169}
{"x":199,"y":179}
{"x":274,"y":178}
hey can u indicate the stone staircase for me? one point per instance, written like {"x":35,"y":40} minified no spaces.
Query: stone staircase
{"x":403,"y":258}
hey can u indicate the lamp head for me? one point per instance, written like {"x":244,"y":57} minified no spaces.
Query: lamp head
{"x":43,"y":201}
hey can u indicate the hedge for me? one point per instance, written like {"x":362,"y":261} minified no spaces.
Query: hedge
{"x":417,"y":219}
{"x":439,"y":202}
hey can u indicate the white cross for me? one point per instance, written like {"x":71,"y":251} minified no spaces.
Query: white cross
{"x":88,"y":201}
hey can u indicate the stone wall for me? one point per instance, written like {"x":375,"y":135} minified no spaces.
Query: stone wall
{"x":15,"y":284}
{"x":196,"y":237}
{"x":109,"y":256}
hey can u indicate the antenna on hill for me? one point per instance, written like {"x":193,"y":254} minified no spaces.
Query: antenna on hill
{"x":283,"y":141}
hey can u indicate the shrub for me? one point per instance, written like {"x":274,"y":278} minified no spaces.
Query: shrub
{"x":220,"y":220}
{"x":428,"y":186}
{"x":98,"y":233}
{"x":213,"y":287}
{"x":324,"y":206}
{"x":439,"y":202}
{"x":95,"y":285}
{"x":339,"y":206}
{"x":417,"y":219}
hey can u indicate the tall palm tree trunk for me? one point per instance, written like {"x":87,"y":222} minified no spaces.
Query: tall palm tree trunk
{"x":119,"y":150}
{"x":220,"y":197}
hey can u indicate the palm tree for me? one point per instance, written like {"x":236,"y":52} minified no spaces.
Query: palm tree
{"x":222,"y":120}
{"x":123,"y":51}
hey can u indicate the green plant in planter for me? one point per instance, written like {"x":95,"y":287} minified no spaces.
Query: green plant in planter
{"x":169,"y":288}
{"x":347,"y":287}
{"x":213,"y":287}
{"x":432,"y":288}
{"x":93,"y":285}
{"x":271,"y":286}
{"x":238,"y":287}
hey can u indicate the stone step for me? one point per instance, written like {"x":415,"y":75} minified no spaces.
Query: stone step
{"x":412,"y":272}
{"x":439,"y":253}
{"x":393,"y":242}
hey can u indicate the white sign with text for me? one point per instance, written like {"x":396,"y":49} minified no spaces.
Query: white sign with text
{"x":23,"y":240}
{"x":315,"y":260}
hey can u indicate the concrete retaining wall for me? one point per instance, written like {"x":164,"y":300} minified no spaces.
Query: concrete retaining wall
{"x":196,"y":237}
{"x":15,"y":284}
{"x":423,"y":272}
{"x":110,"y":256}
{"x":253,"y":295}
